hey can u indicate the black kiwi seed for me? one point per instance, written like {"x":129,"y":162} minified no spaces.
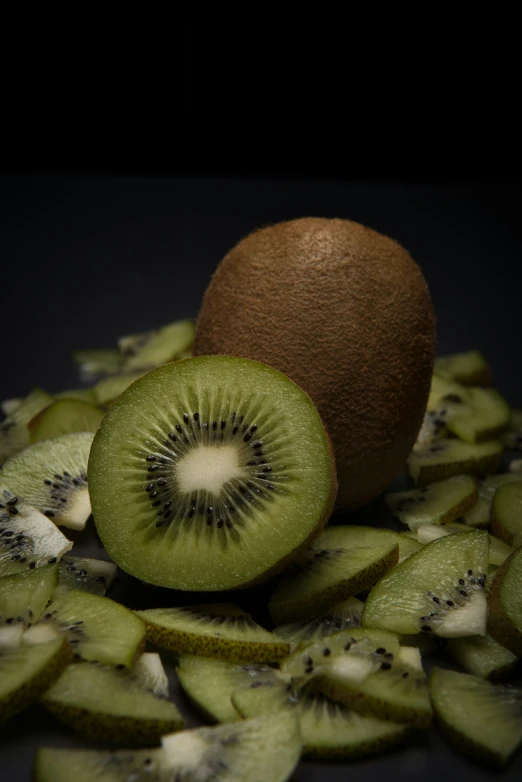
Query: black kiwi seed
{"x":385,"y":666}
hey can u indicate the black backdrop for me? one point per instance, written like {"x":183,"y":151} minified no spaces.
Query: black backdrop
{"x":85,"y":259}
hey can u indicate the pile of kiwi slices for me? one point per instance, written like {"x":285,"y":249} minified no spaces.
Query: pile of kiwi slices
{"x":249,"y":625}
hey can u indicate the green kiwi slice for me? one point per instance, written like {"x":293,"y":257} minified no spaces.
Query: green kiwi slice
{"x":213,"y":630}
{"x":338,"y":618}
{"x":153,"y":348}
{"x":14,"y":434}
{"x":62,"y":417}
{"x":481,"y":719}
{"x":24,"y":596}
{"x":98,"y":362}
{"x":479,"y":515}
{"x":506,"y":513}
{"x":52,"y":476}
{"x":209,"y":683}
{"x":469,"y":368}
{"x":85,"y":575}
{"x":438,"y":590}
{"x":110,"y":388}
{"x":97,"y":628}
{"x":505,"y":604}
{"x":498,"y":550}
{"x":209,"y":474}
{"x":439,"y":503}
{"x":487,"y":416}
{"x":341,"y":562}
{"x":265,"y":748}
{"x":82,"y":394}
{"x":481,"y":656}
{"x":28,"y":540}
{"x":328,"y":729}
{"x":104,"y":703}
{"x":28,"y":670}
{"x":451,"y":457}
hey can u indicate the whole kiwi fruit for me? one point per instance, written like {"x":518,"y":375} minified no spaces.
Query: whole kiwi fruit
{"x":345,"y":312}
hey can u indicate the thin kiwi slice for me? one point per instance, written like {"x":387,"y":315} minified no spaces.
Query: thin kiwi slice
{"x":85,"y":575}
{"x":265,"y":748}
{"x":24,"y":596}
{"x":209,"y":474}
{"x":153,"y":348}
{"x":104,"y":703}
{"x":469,"y":368}
{"x":506,"y":513}
{"x":110,"y":388}
{"x":14,"y":434}
{"x":62,"y":417}
{"x":481,"y":719}
{"x":209,"y":683}
{"x":328,"y":729}
{"x":98,"y":362}
{"x":341,"y":562}
{"x":338,"y":618}
{"x":505,"y":604}
{"x":213,"y":630}
{"x":486,"y":418}
{"x":28,"y":540}
{"x":439,"y":503}
{"x":479,"y":515}
{"x":451,"y":457}
{"x":438,"y":590}
{"x":97,"y":628}
{"x":498,"y":550}
{"x":52,"y":476}
{"x":481,"y":656}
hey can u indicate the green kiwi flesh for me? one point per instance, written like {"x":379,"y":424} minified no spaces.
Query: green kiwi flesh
{"x":151,"y":349}
{"x":84,"y":575}
{"x":213,"y":630}
{"x":209,"y":474}
{"x":265,"y":748}
{"x":63,"y":417}
{"x":498,"y":550}
{"x":110,"y":388}
{"x":438,"y":590}
{"x":486,"y":418}
{"x":469,"y":368}
{"x":439,"y":503}
{"x":451,"y":457}
{"x":506,"y":513}
{"x":505,"y":605}
{"x":338,"y":618}
{"x":82,"y":394}
{"x":479,"y":515}
{"x":14,"y":434}
{"x":98,"y":362}
{"x":341,"y":562}
{"x":481,"y":719}
{"x":481,"y":656}
{"x":28,"y":540}
{"x":52,"y":476}
{"x":104,"y":703}
{"x":24,"y":596}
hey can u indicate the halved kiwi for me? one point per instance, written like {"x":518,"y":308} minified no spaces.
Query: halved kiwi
{"x":469,"y":368}
{"x":505,"y":604}
{"x":62,"y":417}
{"x":52,"y":476}
{"x":210,"y":473}
{"x":506,"y":513}
{"x":451,"y":457}
{"x":439,"y":503}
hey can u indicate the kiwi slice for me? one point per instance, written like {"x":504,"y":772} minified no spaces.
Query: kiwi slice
{"x":85,"y":575}
{"x":97,"y":628}
{"x":498,"y":550}
{"x":479,"y":515}
{"x":505,"y":604}
{"x":153,"y":348}
{"x":506,"y":513}
{"x":209,"y":683}
{"x":28,"y":540}
{"x":451,"y":457}
{"x":24,"y":596}
{"x":62,"y":417}
{"x":512,"y":439}
{"x":439,"y":590}
{"x":52,"y":476}
{"x":328,"y":729}
{"x":98,"y":363}
{"x":439,"y":503}
{"x":338,"y":618}
{"x":28,"y":670}
{"x":209,"y":474}
{"x":14,"y":434}
{"x":109,"y":388}
{"x":482,"y":656}
{"x":82,"y":394}
{"x":213,"y":630}
{"x":481,"y":719}
{"x":486,"y":418}
{"x":469,"y":368}
{"x":265,"y":748}
{"x":104,"y":703}
{"x":341,"y":562}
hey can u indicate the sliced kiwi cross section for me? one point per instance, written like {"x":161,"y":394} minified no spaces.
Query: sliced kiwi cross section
{"x":214,"y":630}
{"x":498,"y":550}
{"x":439,"y":590}
{"x":210,"y":474}
{"x":505,"y":604}
{"x":449,"y":457}
{"x":24,"y":596}
{"x":338,"y":618}
{"x":506,"y":513}
{"x":84,"y":575}
{"x":341,"y":562}
{"x":439,"y":503}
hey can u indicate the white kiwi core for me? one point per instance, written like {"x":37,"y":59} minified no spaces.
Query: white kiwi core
{"x":208,"y":468}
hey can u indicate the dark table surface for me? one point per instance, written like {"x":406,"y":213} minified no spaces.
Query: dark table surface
{"x":84,"y":260}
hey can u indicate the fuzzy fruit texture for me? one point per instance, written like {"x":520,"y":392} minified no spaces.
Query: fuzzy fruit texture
{"x":344,"y":312}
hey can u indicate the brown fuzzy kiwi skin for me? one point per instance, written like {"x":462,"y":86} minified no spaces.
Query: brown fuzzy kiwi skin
{"x":500,"y":627}
{"x":344,"y":312}
{"x":32,"y":689}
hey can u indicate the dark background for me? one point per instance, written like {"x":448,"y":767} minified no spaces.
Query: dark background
{"x":87,"y":258}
